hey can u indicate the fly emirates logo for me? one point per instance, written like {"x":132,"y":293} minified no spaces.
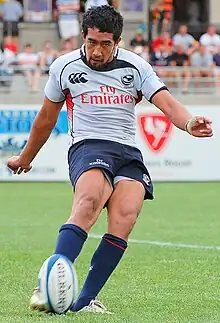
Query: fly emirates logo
{"x":108,"y":96}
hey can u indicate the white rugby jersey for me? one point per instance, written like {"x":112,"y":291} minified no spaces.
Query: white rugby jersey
{"x":101,"y":103}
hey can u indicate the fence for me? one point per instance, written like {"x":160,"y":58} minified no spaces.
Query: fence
{"x":191,"y":80}
{"x":185,"y":80}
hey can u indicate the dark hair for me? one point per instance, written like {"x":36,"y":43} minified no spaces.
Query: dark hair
{"x":104,"y":18}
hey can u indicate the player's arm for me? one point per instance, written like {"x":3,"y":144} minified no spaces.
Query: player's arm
{"x":180,"y":116}
{"x":43,"y":125}
{"x":157,"y":93}
{"x":174,"y":110}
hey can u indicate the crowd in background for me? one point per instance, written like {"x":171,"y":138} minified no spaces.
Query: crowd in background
{"x":29,"y":63}
{"x":180,"y":55}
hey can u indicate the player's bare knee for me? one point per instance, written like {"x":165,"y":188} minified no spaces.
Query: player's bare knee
{"x":121,"y":224}
{"x":126,"y":216}
{"x":86,"y":208}
{"x":90,"y":202}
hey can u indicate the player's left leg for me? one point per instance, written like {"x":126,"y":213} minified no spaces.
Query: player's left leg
{"x":123,"y":208}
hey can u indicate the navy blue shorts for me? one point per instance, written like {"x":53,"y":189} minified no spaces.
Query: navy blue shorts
{"x":117,"y":161}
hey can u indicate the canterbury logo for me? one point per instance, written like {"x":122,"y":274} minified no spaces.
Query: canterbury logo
{"x":77,"y":78}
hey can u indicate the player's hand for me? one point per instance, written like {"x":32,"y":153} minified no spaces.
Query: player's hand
{"x":16,"y":164}
{"x":199,"y":127}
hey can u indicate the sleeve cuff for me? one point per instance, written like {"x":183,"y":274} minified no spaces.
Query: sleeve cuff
{"x":161,"y":89}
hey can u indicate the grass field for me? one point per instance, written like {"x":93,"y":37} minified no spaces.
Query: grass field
{"x":153,"y":283}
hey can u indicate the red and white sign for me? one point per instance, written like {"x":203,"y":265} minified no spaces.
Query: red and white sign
{"x":173,"y":155}
{"x":156,"y":129}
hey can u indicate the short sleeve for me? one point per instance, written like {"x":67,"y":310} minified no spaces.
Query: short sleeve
{"x":175,"y":40}
{"x":53,"y":89}
{"x":20,"y":10}
{"x":151,"y":84}
{"x":191,"y":40}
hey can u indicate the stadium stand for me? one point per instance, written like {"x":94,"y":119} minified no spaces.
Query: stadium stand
{"x":187,"y":63}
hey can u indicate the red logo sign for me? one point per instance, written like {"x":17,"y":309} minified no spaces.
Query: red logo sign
{"x":156,"y":129}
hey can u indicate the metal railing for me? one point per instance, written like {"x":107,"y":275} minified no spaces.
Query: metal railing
{"x":188,"y":80}
{"x":191,"y":80}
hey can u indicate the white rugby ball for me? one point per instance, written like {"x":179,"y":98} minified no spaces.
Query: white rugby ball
{"x":57,"y":283}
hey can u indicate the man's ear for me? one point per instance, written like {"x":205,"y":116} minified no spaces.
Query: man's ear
{"x":83,"y":35}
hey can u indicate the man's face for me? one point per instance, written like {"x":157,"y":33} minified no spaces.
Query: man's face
{"x":28,"y":50}
{"x":100,"y":47}
{"x":211,"y":30}
{"x":183,"y":30}
{"x":180,"y":49}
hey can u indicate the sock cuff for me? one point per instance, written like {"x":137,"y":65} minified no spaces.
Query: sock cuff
{"x":79,"y":231}
{"x":115,"y":241}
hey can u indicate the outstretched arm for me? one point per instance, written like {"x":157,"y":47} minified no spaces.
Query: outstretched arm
{"x":157,"y":93}
{"x":42,"y":127}
{"x":180,"y":117}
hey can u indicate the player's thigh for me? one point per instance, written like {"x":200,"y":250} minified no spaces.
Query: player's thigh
{"x":92,"y":188}
{"x":124,"y":206}
{"x":91,"y":176}
{"x":92,"y":191}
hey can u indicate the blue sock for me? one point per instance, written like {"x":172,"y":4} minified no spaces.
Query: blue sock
{"x":70,"y":241}
{"x":104,"y":261}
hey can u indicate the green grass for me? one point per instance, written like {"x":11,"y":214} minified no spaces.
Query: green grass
{"x":152,"y":283}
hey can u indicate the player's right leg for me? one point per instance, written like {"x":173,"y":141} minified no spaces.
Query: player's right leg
{"x":92,"y":190}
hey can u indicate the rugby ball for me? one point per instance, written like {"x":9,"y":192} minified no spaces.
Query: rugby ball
{"x":58,"y":284}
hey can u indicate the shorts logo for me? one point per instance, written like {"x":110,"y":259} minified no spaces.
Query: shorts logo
{"x":146,"y":179}
{"x":99,"y":162}
{"x":127,"y":80}
{"x":156,"y":130}
{"x":76,"y":78}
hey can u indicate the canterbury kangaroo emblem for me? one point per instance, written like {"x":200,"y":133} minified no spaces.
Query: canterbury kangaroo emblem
{"x":76,"y":78}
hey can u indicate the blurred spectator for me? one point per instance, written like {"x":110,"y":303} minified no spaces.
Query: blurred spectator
{"x":10,"y":45}
{"x":216,"y":57}
{"x":194,"y":12}
{"x":162,"y":13}
{"x":47,"y":56}
{"x":163,"y":39}
{"x":180,"y":59}
{"x":68,"y":22}
{"x":210,"y":39}
{"x":138,"y":44}
{"x":37,"y":10}
{"x":11,"y":12}
{"x":7,"y":57}
{"x":203,"y":60}
{"x":95,"y":3}
{"x":131,"y":5}
{"x":160,"y":58}
{"x":184,"y":39}
{"x":29,"y":65}
{"x":66,"y":48}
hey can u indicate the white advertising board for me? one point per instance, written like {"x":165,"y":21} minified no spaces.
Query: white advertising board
{"x":171,"y":154}
{"x":15,"y":125}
